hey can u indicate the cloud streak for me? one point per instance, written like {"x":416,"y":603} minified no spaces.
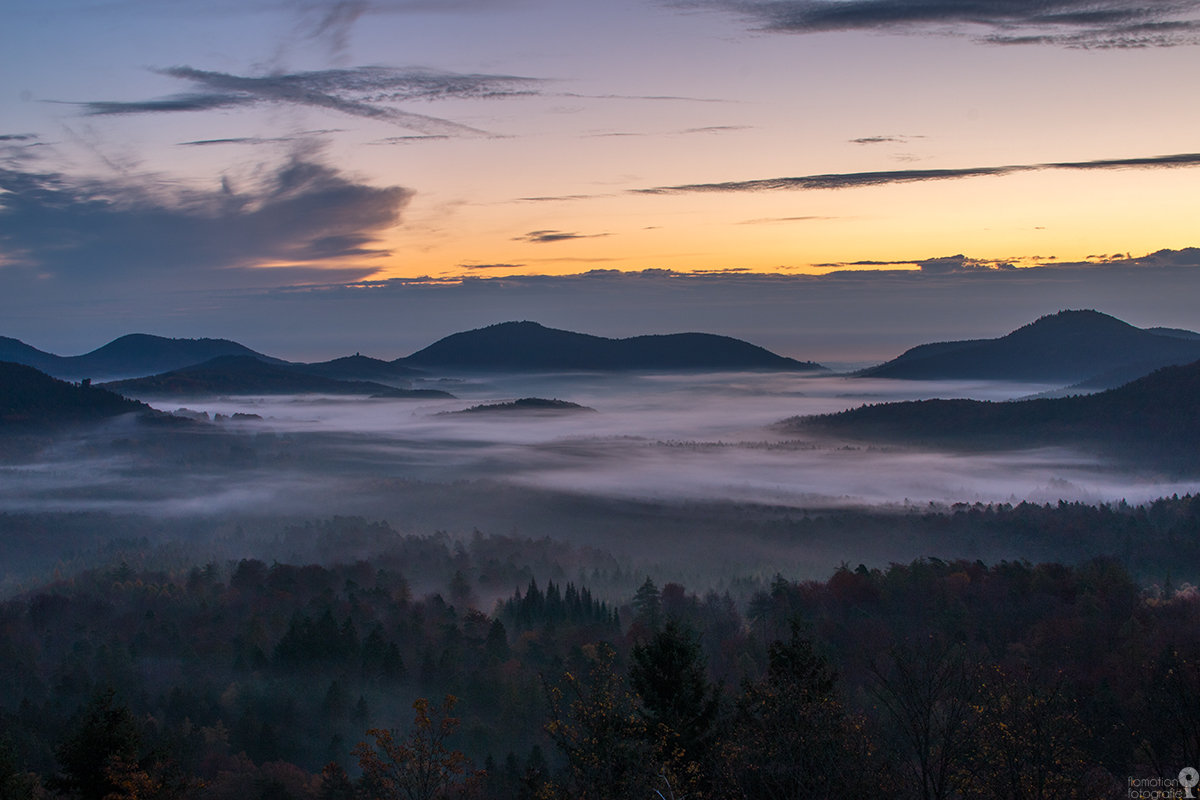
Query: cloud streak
{"x":548,"y":237}
{"x":1071,"y":23}
{"x":849,"y":180}
{"x":365,"y":92}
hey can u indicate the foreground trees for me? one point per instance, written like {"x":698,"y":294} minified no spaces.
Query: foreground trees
{"x":790,"y":736}
{"x":421,"y":767}
{"x":605,"y":742}
{"x":932,"y":679}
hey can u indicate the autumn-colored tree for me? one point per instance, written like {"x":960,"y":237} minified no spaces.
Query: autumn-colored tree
{"x":595,"y":723}
{"x":423,"y":766}
{"x":336,"y":784}
{"x":1029,"y":739}
{"x":150,"y":780}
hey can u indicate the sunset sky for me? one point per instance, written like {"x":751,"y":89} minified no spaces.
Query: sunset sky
{"x":317,"y":177}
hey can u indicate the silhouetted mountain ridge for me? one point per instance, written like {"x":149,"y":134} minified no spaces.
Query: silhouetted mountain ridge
{"x":530,"y":346}
{"x":240,"y":375}
{"x":134,"y":354}
{"x":1067,"y":347}
{"x":31,"y":399}
{"x":1156,"y":418}
{"x":359,"y":368}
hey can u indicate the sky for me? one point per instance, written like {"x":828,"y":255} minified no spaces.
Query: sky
{"x":836,"y":180}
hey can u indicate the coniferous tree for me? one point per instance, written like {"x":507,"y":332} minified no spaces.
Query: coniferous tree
{"x":679,"y":705}
{"x":647,"y":605}
{"x":106,"y":733}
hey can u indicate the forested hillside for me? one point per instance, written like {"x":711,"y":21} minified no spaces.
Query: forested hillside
{"x":30,"y":399}
{"x":248,"y":680}
{"x":1153,"y":419}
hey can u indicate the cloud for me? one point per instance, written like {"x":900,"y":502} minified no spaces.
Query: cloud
{"x":944,"y":265}
{"x":411,"y":139}
{"x":365,"y":92}
{"x":17,"y":137}
{"x":960,"y":263}
{"x":560,"y":198}
{"x":334,"y":22}
{"x":1071,"y":23}
{"x":881,"y":140}
{"x":490,"y":266}
{"x":142,"y":228}
{"x":848,"y":180}
{"x":770,"y":220}
{"x":545,"y":237}
{"x":299,"y":137}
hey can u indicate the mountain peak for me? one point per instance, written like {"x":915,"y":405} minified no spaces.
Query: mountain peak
{"x":527,"y":345}
{"x":1066,"y":347}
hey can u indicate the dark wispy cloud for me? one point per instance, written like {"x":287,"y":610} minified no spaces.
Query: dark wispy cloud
{"x":546,"y":237}
{"x":957,"y":264}
{"x":771,"y":220}
{"x":847,"y":180}
{"x":884,"y":139}
{"x":1074,"y":23}
{"x":88,"y":230}
{"x":299,"y":137}
{"x":684,"y":132}
{"x":17,"y":137}
{"x":559,"y":198}
{"x":367,"y":92}
{"x":490,"y":266}
{"x":411,"y":139}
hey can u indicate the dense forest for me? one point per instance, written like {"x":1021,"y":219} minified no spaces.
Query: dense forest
{"x":930,"y":679}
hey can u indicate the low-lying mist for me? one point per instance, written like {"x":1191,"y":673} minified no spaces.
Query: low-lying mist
{"x":681,"y":471}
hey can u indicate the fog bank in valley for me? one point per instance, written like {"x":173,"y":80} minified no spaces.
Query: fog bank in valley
{"x":685,"y":472}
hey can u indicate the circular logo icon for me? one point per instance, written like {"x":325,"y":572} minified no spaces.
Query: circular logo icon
{"x":1188,"y":777}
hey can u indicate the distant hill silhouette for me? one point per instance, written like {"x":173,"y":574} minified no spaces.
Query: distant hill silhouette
{"x":136,"y":354}
{"x":530,"y":346}
{"x":31,"y":400}
{"x":1156,"y":417}
{"x":359,"y":368}
{"x":240,"y":375}
{"x":1177,"y":333}
{"x":1067,"y":347}
{"x":415,"y":394}
{"x":525,"y":405}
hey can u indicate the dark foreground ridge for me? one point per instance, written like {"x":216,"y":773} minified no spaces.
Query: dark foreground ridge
{"x":241,"y":375}
{"x":1067,"y":347}
{"x":530,"y":346}
{"x":1154,"y":418}
{"x":526,"y":405}
{"x":135,"y":354}
{"x":31,"y":400}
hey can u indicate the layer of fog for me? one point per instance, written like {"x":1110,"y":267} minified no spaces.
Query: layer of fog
{"x":685,"y":477}
{"x":689,"y":437}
